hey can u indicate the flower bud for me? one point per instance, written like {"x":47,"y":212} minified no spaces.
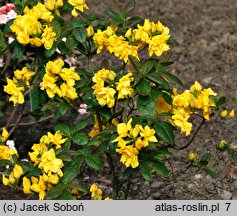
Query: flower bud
{"x":193,"y":156}
{"x":222,"y":145}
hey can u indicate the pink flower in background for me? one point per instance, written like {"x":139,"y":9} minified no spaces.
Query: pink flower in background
{"x":82,"y":109}
{"x":7,"y":13}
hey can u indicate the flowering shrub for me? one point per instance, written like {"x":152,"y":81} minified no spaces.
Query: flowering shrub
{"x":125,"y":114}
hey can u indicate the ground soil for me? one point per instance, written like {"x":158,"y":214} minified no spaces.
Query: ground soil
{"x":205,"y":49}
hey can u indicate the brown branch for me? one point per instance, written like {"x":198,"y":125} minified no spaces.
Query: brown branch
{"x":17,"y":122}
{"x":33,"y":122}
{"x":194,"y":135}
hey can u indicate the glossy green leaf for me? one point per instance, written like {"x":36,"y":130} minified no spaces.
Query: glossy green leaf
{"x":172,"y":77}
{"x":143,"y":87}
{"x":94,"y":161}
{"x":80,"y":139}
{"x":80,"y":34}
{"x":165,"y":131}
{"x":161,"y":169}
{"x":64,"y":128}
{"x":145,"y":105}
{"x":18,"y":50}
{"x":35,"y":100}
{"x":77,"y":127}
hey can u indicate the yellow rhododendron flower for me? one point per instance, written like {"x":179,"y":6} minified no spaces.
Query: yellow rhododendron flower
{"x":53,"y":5}
{"x":90,"y":31}
{"x":5,"y":180}
{"x":56,"y":73}
{"x":49,"y":163}
{"x":78,"y":5}
{"x":34,"y":27}
{"x":17,"y":171}
{"x":148,"y":134}
{"x":15,"y":91}
{"x":24,"y":75}
{"x":158,"y":45}
{"x":26,"y":185}
{"x":129,"y":156}
{"x":124,"y":86}
{"x":6,"y":153}
{"x":39,"y":186}
{"x":96,"y":193}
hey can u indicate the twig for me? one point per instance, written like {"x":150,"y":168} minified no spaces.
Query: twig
{"x":11,"y":116}
{"x":33,"y":122}
{"x":17,"y":122}
{"x":194,"y":135}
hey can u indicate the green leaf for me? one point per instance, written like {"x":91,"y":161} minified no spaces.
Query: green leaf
{"x":116,"y":18}
{"x":69,"y":174}
{"x":165,"y":131}
{"x":34,"y":98}
{"x":143,"y":88}
{"x":80,"y":139}
{"x":128,"y":172}
{"x":206,"y":157}
{"x":211,"y":171}
{"x":146,"y":171}
{"x":134,"y":62}
{"x":78,"y":24}
{"x":33,"y":172}
{"x":75,"y":128}
{"x":145,"y":105}
{"x":66,"y":195}
{"x":146,"y":66}
{"x":161,"y":169}
{"x":18,"y":50}
{"x":56,"y":27}
{"x":5,"y":162}
{"x":80,"y":34}
{"x":172,"y":77}
{"x":157,"y":79}
{"x":94,"y":162}
{"x":55,"y":192}
{"x":62,"y":109}
{"x":64,"y":128}
{"x":50,"y":52}
{"x":134,"y":20}
{"x":71,"y":42}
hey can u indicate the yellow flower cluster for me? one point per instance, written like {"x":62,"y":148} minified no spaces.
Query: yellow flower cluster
{"x":16,"y":86}
{"x":34,"y":27}
{"x":131,"y":140}
{"x":96,"y":193}
{"x":118,"y":45}
{"x":227,"y":115}
{"x":44,"y":157}
{"x":78,"y":5}
{"x":151,"y":34}
{"x":14,"y":176}
{"x":53,"y":5}
{"x":5,"y":152}
{"x":188,"y":103}
{"x":66,"y":76}
{"x":104,"y":90}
